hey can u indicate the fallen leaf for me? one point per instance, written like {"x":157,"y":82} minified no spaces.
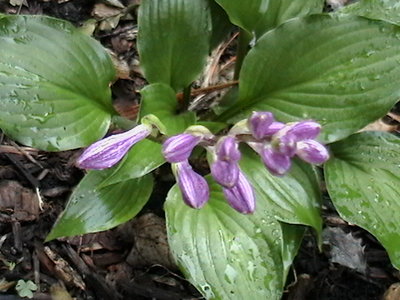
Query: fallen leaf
{"x":345,"y":249}
{"x":149,"y":236}
{"x":17,"y":202}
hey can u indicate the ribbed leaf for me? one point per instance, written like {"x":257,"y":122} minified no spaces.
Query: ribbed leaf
{"x":92,"y":208}
{"x":225,"y":254}
{"x":387,"y":10}
{"x":259,"y":16}
{"x":343,"y":71}
{"x":293,"y":198}
{"x":362,"y":179}
{"x":174,"y":40}
{"x":160,"y":100}
{"x":54,"y":84}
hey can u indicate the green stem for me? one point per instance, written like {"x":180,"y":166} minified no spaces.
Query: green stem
{"x":242,"y":49}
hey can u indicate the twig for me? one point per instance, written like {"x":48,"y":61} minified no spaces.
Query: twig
{"x":208,"y":89}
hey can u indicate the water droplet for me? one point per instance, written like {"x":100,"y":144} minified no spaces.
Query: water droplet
{"x":370,"y":52}
{"x":230,"y":274}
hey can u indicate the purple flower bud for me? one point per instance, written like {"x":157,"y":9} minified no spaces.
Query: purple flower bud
{"x":259,"y":123}
{"x":304,"y":130}
{"x":194,"y":188}
{"x":277,"y":163}
{"x":241,"y":196}
{"x":312,"y":152}
{"x":225,"y":173}
{"x":285,"y":144}
{"x":179,"y":147}
{"x":109,"y":151}
{"x":274,"y":128}
{"x":227,"y":149}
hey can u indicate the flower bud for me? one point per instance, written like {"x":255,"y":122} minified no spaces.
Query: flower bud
{"x":259,"y":122}
{"x":179,"y":147}
{"x":312,"y":152}
{"x":276,"y":162}
{"x":194,"y":188}
{"x":274,"y":128}
{"x":225,"y":173}
{"x":241,"y":196}
{"x":227,"y":149}
{"x":110,"y":150}
{"x":304,"y":130}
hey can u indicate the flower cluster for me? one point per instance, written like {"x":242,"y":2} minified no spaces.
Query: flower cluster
{"x":276,"y":143}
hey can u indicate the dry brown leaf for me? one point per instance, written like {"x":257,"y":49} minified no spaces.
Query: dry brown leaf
{"x":149,"y":235}
{"x":18,"y":202}
{"x":345,"y":249}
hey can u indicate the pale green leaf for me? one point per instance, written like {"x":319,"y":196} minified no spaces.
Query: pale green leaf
{"x":54,"y":84}
{"x":362,"y":179}
{"x":225,"y":254}
{"x":293,"y":198}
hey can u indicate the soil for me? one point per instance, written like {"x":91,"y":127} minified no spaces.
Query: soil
{"x":132,"y":261}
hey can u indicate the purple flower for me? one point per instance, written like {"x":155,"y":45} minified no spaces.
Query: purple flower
{"x":312,"y":152}
{"x":285,"y":140}
{"x":241,"y":196}
{"x":274,"y":128}
{"x":225,"y":170}
{"x":304,"y":130}
{"x":109,"y":151}
{"x":276,"y":162}
{"x":194,"y":187}
{"x":259,"y":123}
{"x":179,"y":147}
{"x":225,"y":173}
{"x":227,"y":149}
{"x":293,"y":139}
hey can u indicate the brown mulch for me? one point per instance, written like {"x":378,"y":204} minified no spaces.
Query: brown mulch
{"x":132,"y":261}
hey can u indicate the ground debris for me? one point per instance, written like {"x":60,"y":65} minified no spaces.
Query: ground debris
{"x":345,"y":249}
{"x":150,"y":245}
{"x":17,"y":203}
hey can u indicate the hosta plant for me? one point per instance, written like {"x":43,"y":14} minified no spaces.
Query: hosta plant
{"x":309,"y":83}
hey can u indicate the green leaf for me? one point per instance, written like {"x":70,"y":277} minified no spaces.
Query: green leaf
{"x":342,"y":71}
{"x":362,"y":179}
{"x":25,"y":288}
{"x":92,"y":208}
{"x":214,"y":127}
{"x":160,"y":100}
{"x":259,"y":16}
{"x":386,"y":10}
{"x":221,"y":26}
{"x":143,"y":158}
{"x":293,"y":198}
{"x":292,"y":238}
{"x":225,"y":254}
{"x":54,"y":84}
{"x":174,"y":40}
